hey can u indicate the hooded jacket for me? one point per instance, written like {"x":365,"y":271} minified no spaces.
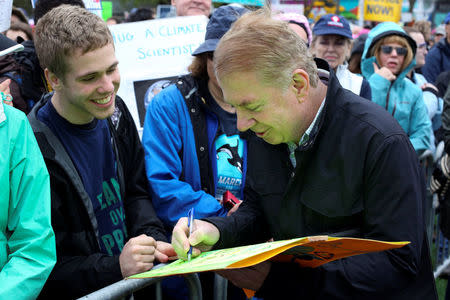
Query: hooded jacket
{"x":27,"y":241}
{"x":402,"y":98}
{"x":437,"y":60}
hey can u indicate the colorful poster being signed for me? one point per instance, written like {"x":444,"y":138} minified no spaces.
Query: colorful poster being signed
{"x":307,"y":251}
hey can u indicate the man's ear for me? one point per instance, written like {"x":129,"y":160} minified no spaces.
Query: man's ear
{"x":173,"y":2}
{"x":301,"y":84}
{"x":52,"y":79}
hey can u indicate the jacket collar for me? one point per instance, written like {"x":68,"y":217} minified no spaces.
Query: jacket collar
{"x":327,"y":77}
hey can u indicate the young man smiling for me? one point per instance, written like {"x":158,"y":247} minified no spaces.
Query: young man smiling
{"x":104,"y":221}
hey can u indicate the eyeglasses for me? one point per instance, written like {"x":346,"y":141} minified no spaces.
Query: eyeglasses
{"x":400,"y":50}
{"x":422,"y":46}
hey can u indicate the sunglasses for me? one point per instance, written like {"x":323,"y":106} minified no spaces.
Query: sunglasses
{"x":400,"y":50}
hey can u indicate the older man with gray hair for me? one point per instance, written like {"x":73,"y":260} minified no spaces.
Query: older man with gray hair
{"x":322,"y":161}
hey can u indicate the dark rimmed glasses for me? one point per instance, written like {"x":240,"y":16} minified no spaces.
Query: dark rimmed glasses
{"x":400,"y":50}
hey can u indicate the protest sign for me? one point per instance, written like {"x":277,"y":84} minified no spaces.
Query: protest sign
{"x":382,"y":10}
{"x":245,"y":2}
{"x":107,"y":10}
{"x":152,"y":52}
{"x":289,"y":8}
{"x":94,"y":6}
{"x":5,"y":14}
{"x":307,"y":252}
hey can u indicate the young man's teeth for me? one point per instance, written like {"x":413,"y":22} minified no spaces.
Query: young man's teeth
{"x":102,"y":101}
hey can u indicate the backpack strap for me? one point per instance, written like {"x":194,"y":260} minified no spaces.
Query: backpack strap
{"x":14,"y":75}
{"x":195,"y":106}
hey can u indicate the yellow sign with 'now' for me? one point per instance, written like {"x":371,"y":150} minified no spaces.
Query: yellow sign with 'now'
{"x":382,"y":10}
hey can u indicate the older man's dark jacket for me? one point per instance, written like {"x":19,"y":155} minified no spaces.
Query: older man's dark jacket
{"x":358,"y":175}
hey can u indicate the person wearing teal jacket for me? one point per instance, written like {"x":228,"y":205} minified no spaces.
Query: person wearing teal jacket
{"x":27,"y":240}
{"x":388,"y":56}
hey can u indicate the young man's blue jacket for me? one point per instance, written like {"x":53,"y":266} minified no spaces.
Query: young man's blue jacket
{"x":357,"y":176}
{"x":402,"y":98}
{"x":180,"y":160}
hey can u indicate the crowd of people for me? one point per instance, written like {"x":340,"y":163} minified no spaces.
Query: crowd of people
{"x":315,"y":129}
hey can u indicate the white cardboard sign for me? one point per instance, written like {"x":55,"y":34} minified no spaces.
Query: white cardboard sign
{"x":154,"y":50}
{"x":5,"y":14}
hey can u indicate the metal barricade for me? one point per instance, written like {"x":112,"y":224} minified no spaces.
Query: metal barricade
{"x":441,"y":244}
{"x":442,"y":259}
{"x":427,"y":163}
{"x":124,"y":288}
{"x":220,"y":287}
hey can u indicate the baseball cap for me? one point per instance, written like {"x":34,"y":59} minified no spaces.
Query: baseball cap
{"x":7,"y":45}
{"x":296,"y":18}
{"x":219,"y":23}
{"x":447,"y":19}
{"x":332,"y":24}
{"x":440,"y":30}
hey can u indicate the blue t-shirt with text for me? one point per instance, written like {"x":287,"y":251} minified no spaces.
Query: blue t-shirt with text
{"x":90,"y":148}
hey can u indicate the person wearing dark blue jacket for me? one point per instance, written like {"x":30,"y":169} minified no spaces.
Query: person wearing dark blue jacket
{"x":321,"y":161}
{"x":438,"y":59}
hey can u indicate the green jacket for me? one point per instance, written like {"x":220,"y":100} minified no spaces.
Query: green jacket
{"x":27,"y":241}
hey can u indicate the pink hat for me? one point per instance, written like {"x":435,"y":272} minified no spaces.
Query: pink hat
{"x":362,"y":31}
{"x":295,"y":18}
